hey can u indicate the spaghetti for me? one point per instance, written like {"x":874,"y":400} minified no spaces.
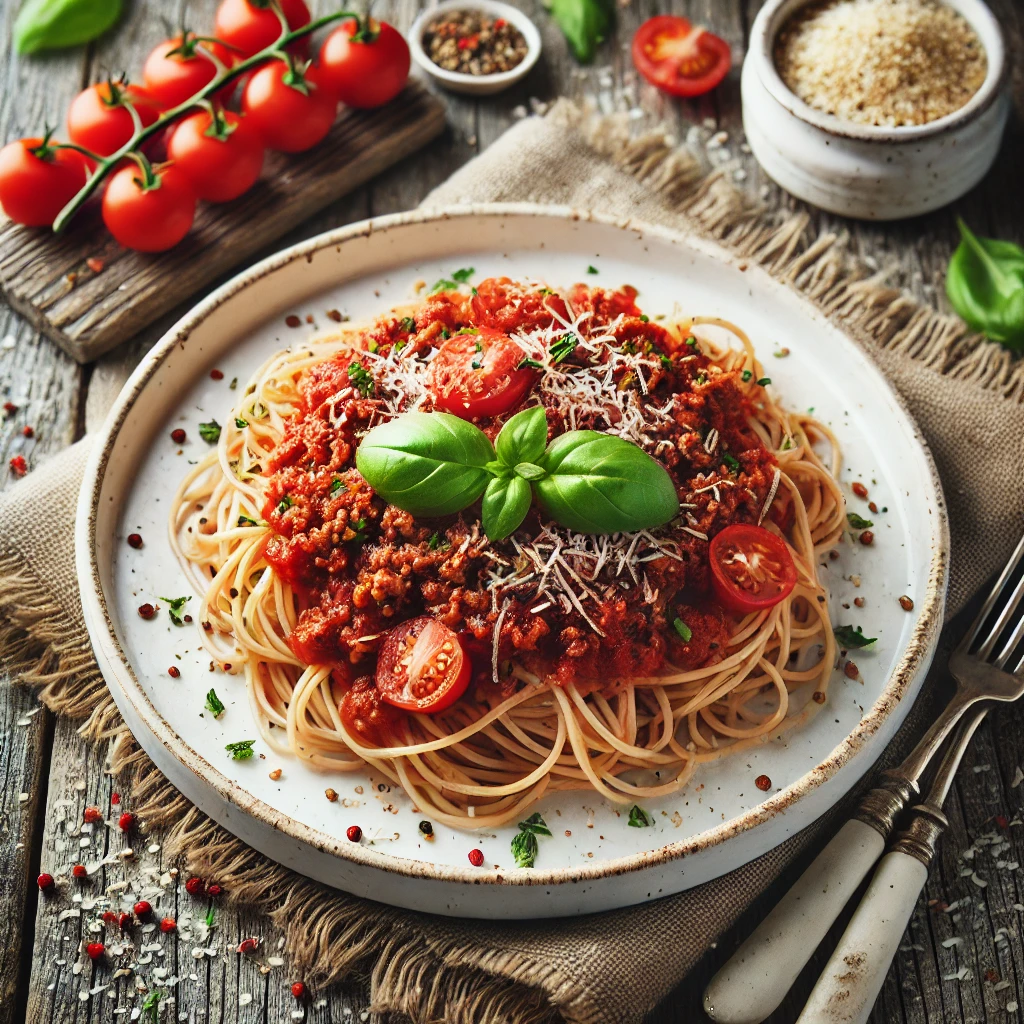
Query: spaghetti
{"x":611,"y":663}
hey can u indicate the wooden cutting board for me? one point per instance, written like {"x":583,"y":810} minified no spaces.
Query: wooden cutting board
{"x":88,"y":311}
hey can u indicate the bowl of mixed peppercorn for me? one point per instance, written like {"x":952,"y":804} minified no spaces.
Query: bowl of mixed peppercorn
{"x":478,"y":47}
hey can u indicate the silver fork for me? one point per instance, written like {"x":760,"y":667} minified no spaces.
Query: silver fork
{"x":754,"y":981}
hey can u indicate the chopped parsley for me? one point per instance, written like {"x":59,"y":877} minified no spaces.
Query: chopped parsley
{"x":563,"y":347}
{"x":214,"y":705}
{"x":435,"y":540}
{"x":259,"y":411}
{"x":408,"y":324}
{"x":665,"y":361}
{"x":731,"y":461}
{"x":639,"y":818}
{"x":240,"y":751}
{"x":858,"y":522}
{"x":359,"y":526}
{"x":645,"y":318}
{"x":592,"y":269}
{"x":244,"y":520}
{"x":175,"y":606}
{"x":470,"y":330}
{"x":285,"y":503}
{"x":524,"y":844}
{"x":336,"y":485}
{"x":240,"y":423}
{"x":479,"y":347}
{"x":372,"y":346}
{"x":700,"y":379}
{"x":451,"y":284}
{"x":210,"y":915}
{"x":445,"y":334}
{"x":763,"y":381}
{"x":151,"y":1004}
{"x":848,"y":637}
{"x":234,"y":383}
{"x":360,"y":378}
{"x":532,"y":363}
{"x":684,"y":631}
{"x":463,"y":275}
{"x":691,"y":341}
{"x":746,"y":375}
{"x":210,"y":432}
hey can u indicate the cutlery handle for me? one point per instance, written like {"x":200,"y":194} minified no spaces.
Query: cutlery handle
{"x":855,"y":973}
{"x":758,"y":975}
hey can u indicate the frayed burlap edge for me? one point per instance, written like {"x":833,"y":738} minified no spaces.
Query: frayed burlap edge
{"x":330,"y":939}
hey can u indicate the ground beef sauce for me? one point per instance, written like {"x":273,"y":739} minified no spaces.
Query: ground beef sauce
{"x":361,"y":566}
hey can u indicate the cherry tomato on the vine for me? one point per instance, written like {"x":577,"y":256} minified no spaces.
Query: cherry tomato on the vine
{"x":153,"y":216}
{"x":38,"y":180}
{"x":221,"y":159}
{"x":98,"y":117}
{"x":365,"y":62}
{"x":249,"y":26}
{"x":178,"y":68}
{"x":292,"y":109}
{"x":751,"y":568}
{"x":422,"y":667}
{"x":682,"y":59}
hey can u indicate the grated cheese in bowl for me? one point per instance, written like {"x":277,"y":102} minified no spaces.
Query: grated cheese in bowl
{"x":881,"y":62}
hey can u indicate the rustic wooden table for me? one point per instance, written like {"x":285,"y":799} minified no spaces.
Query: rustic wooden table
{"x":964,"y":965}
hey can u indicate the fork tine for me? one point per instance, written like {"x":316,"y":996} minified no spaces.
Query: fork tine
{"x":1008,"y":648}
{"x":1004,"y":618}
{"x":993,"y":597}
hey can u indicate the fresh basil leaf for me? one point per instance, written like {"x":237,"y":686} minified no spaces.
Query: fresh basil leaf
{"x":639,"y":818}
{"x":463,"y":274}
{"x":599,"y":483}
{"x":524,"y":849}
{"x":210,"y":432}
{"x":523,"y":437}
{"x":56,"y":24}
{"x":214,"y":704}
{"x":858,"y":522}
{"x":536,"y":824}
{"x":528,"y":470}
{"x":506,"y":502}
{"x":240,"y":751}
{"x":985,"y":285}
{"x":585,"y":23}
{"x":848,"y":637}
{"x":429,"y":464}
{"x":176,"y":608}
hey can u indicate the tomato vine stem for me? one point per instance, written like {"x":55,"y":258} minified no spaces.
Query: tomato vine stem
{"x":141,"y":134}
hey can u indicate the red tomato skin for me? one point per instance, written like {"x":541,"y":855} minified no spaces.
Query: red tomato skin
{"x":250,"y":29}
{"x":219,"y":170}
{"x":665,"y":74}
{"x":365,"y":74}
{"x":34,"y":191}
{"x":150,"y":221}
{"x":479,"y":396}
{"x":746,"y":536}
{"x":447,"y":693}
{"x":172,"y":80}
{"x":105,"y":129}
{"x":287,"y":119}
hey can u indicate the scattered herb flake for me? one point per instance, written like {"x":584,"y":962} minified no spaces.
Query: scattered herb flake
{"x":592,"y":269}
{"x":763,"y":381}
{"x":639,"y":818}
{"x":408,"y":324}
{"x":525,"y":849}
{"x":532,"y":363}
{"x":210,"y":432}
{"x":858,"y":522}
{"x":536,"y":824}
{"x":244,"y":520}
{"x":848,"y":637}
{"x":360,"y":378}
{"x":336,"y":485}
{"x":240,"y":751}
{"x":240,"y":423}
{"x":285,"y":503}
{"x":234,"y":383}
{"x":563,"y":347}
{"x":210,"y":915}
{"x":463,"y":275}
{"x":731,"y":461}
{"x":435,"y":540}
{"x":684,"y":631}
{"x":746,"y":375}
{"x":215,"y":705}
{"x":175,"y":606}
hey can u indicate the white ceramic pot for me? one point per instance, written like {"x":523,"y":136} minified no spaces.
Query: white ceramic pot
{"x":862,"y":170}
{"x":475,"y":85}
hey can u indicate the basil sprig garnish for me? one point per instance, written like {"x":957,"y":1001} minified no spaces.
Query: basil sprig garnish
{"x":435,"y":464}
{"x":57,"y":24}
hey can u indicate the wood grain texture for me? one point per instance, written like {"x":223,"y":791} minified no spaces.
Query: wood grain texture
{"x":920,"y":987}
{"x":47,"y":279}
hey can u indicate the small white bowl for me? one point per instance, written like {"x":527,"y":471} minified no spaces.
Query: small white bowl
{"x":476,"y":85}
{"x":859,"y":170}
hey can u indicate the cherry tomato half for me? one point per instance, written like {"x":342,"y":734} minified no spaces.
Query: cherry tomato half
{"x":290,"y":111}
{"x":365,"y":64}
{"x":476,"y":375}
{"x":149,"y":219}
{"x":221,"y":160}
{"x":250,"y":27}
{"x":99,"y":120}
{"x":37,"y":181}
{"x":681,"y":59}
{"x":751,"y":568}
{"x":422,"y":667}
{"x":178,"y":68}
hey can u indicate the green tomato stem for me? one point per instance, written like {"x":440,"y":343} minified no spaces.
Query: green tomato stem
{"x":106,"y":164}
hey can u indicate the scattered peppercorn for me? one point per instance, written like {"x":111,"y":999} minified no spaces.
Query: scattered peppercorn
{"x":333,"y":314}
{"x":78,"y":871}
{"x":850,"y":670}
{"x":45,"y":882}
{"x":873,"y":507}
{"x":168,"y":924}
{"x":292,"y":320}
{"x":195,"y":886}
{"x":213,"y":890}
{"x":146,"y":611}
{"x":216,"y":375}
{"x":95,"y":950}
{"x":763,"y":783}
{"x":95,"y":264}
{"x":126,"y":821}
{"x":19,"y":467}
{"x":906,"y":603}
{"x":818,"y":697}
{"x":28,"y":431}
{"x":92,"y":815}
{"x":9,"y":409}
{"x":426,"y":828}
{"x":135,"y":540}
{"x":476,"y":857}
{"x":108,"y":917}
{"x":867,"y":538}
{"x":859,"y":489}
{"x":472,"y":43}
{"x":143,"y":909}
{"x":124,"y":920}
{"x":859,"y":602}
{"x":354,"y":833}
{"x":1002,"y":821}
{"x":331,"y":794}
{"x":115,"y":798}
{"x":178,"y":435}
{"x":248,"y":945}
{"x":174,"y":672}
{"x":298,"y":990}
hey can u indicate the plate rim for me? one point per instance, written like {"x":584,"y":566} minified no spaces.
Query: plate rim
{"x":119,"y":675}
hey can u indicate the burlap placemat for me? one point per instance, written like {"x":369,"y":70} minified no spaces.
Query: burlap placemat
{"x":968,"y":397}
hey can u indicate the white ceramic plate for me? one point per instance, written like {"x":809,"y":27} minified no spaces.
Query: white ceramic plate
{"x":594,"y":861}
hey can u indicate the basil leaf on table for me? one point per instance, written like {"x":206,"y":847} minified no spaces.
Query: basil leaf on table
{"x":429,"y":464}
{"x":599,"y":483}
{"x":985,"y":285}
{"x":585,"y":23}
{"x":506,"y":502}
{"x":56,"y":24}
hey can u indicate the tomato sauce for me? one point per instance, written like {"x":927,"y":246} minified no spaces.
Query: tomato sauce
{"x":360,"y":566}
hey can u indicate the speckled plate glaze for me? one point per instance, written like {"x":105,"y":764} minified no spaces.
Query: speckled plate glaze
{"x":594,"y":861}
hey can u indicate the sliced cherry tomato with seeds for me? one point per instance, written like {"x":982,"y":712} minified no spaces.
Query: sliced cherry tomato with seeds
{"x":422,"y":667}
{"x":38,"y":180}
{"x":751,"y":568}
{"x":222,"y":157}
{"x":678,"y":57}
{"x":475,"y":375}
